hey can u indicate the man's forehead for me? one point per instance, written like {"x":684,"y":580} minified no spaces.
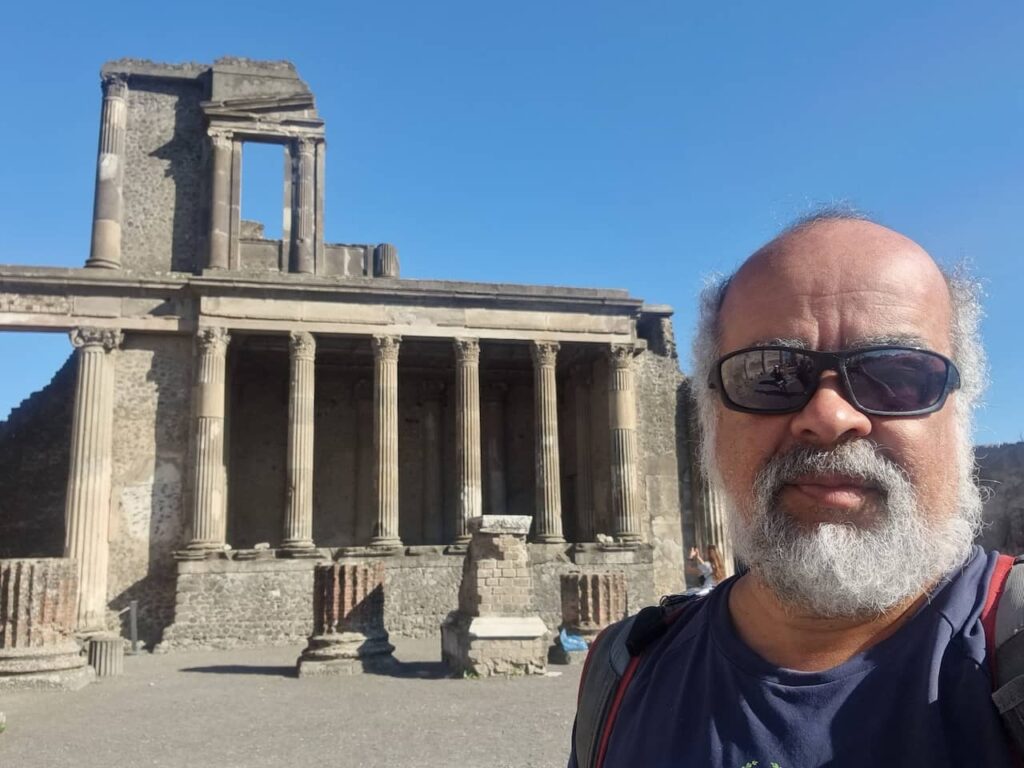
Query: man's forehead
{"x":841,"y":283}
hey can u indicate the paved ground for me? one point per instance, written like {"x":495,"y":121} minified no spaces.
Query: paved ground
{"x":246,"y":708}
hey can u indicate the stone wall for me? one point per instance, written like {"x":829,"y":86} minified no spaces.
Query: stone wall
{"x":664,"y":466}
{"x":164,"y":180}
{"x":233,"y":603}
{"x":1001,"y":473}
{"x":35,"y":443}
{"x":152,"y":393}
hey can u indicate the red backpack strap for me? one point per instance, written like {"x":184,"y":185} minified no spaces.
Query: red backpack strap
{"x":988,"y":613}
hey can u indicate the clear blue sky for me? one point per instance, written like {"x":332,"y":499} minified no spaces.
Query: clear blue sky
{"x":637,"y":145}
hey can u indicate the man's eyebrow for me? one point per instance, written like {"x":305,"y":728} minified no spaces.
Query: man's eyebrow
{"x":889,"y":340}
{"x":780,"y":342}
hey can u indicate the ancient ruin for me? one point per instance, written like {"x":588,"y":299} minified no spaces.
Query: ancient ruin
{"x":37,"y":621}
{"x":240,"y":409}
{"x":348,"y":621}
{"x":495,"y":630}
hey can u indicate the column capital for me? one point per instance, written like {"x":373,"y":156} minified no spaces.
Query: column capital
{"x":212,"y":339}
{"x":302,"y":345}
{"x":220,"y":138}
{"x":305,"y":144}
{"x":621,"y":355}
{"x":108,"y":338}
{"x":544,"y":352}
{"x":115,"y":85}
{"x":467,"y":350}
{"x":386,"y":347}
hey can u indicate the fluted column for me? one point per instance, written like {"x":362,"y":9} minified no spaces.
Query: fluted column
{"x":584,"y":466}
{"x":222,"y":151}
{"x":494,"y":447}
{"x":622,"y":423}
{"x":711,"y":515}
{"x":467,"y":436}
{"x":298,"y":521}
{"x":88,"y":496}
{"x":385,"y":439}
{"x":365,"y":512}
{"x":108,"y":205}
{"x":305,"y":201}
{"x":548,"y":516}
{"x":209,"y":521}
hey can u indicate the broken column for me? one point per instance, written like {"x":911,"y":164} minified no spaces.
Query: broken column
{"x":108,"y":208}
{"x":87,"y":507}
{"x":590,"y":602}
{"x":348,"y":621}
{"x":494,"y":631}
{"x":37,"y":622}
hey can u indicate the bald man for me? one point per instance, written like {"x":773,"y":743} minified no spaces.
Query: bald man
{"x":836,"y":374}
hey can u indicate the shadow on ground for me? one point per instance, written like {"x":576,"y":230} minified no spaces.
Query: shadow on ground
{"x":420,"y":670}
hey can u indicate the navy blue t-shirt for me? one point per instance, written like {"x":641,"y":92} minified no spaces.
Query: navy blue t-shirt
{"x":921,"y":697}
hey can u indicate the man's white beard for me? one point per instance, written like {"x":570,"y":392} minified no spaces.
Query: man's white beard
{"x":845,"y":570}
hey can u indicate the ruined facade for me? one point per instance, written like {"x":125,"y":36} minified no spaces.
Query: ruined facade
{"x":239,"y":409}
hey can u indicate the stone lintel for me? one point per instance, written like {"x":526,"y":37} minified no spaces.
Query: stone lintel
{"x":613,"y":555}
{"x":506,"y":627}
{"x":501,"y":524}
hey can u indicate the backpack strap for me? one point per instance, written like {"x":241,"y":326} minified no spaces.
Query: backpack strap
{"x":1003,"y":620}
{"x":611,"y":663}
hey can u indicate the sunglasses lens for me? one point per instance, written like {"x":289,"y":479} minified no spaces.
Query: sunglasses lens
{"x":769,"y":379}
{"x":897,"y":380}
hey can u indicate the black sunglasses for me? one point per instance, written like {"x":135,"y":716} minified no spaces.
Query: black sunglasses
{"x":881,"y":381}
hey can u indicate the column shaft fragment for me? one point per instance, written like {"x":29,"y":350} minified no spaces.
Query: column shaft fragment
{"x":108,"y":207}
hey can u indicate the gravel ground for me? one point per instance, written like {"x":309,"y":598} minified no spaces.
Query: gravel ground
{"x":247,"y":708}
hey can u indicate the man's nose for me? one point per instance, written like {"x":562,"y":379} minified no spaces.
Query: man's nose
{"x":829,"y":418}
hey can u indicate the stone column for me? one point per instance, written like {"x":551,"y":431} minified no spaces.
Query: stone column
{"x":220,"y":199}
{"x":385,"y":439}
{"x":37,"y":621}
{"x":298,"y":520}
{"x":585,"y":530}
{"x":592,"y":601}
{"x":305,"y":202}
{"x":348,"y":621}
{"x":711,"y":515}
{"x":622,"y":423}
{"x":467,"y":436}
{"x":431,"y":392}
{"x":494,"y":447}
{"x":547,"y":527}
{"x":209,"y":522}
{"x":108,"y":206}
{"x":87,"y":510}
{"x":385,"y":261}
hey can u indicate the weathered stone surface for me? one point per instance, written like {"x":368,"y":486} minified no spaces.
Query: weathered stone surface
{"x":494,"y":630}
{"x":590,"y":602}
{"x":348,"y":621}
{"x":37,"y":619}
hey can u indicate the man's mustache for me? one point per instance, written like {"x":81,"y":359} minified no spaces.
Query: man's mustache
{"x":862,"y":461}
